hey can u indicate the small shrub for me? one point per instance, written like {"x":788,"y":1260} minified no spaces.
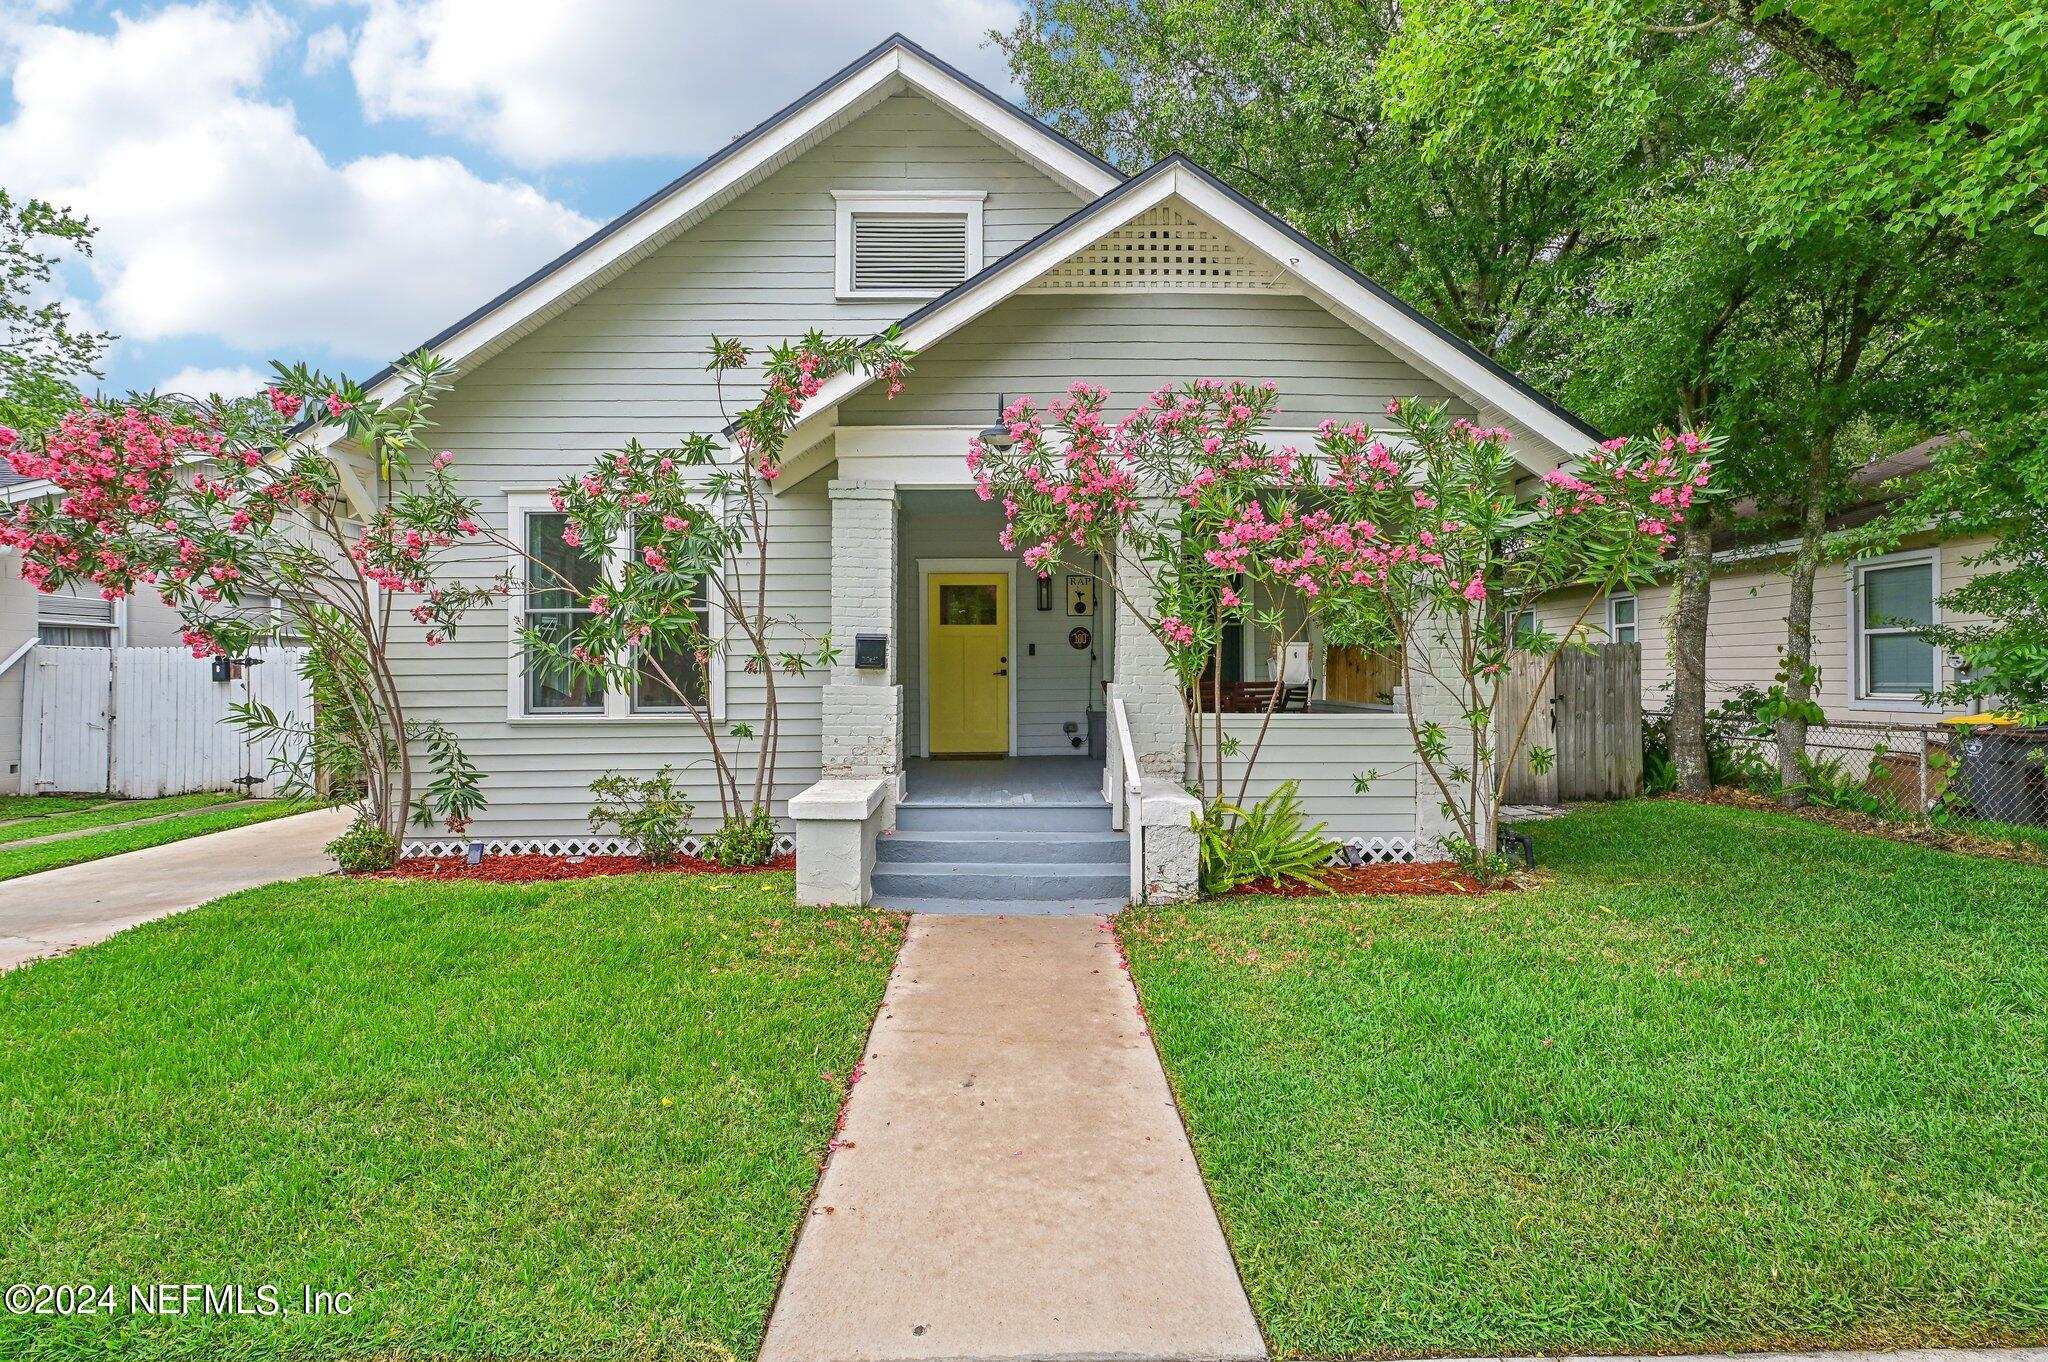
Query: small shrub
{"x":1265,"y":842}
{"x":364,"y":848}
{"x":649,"y":811}
{"x":1489,"y":869}
{"x":742,"y":841}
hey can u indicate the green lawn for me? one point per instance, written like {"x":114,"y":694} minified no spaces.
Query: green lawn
{"x":571,"y":1120}
{"x":124,"y":811}
{"x":38,"y":806}
{"x":19,"y":860}
{"x":1729,"y":1080}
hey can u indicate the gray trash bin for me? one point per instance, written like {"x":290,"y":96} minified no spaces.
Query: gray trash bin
{"x":2002,"y":771}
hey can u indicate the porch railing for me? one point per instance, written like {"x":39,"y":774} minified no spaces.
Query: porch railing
{"x":1128,"y":806}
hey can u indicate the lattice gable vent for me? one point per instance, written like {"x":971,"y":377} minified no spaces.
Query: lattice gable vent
{"x":1164,"y":249}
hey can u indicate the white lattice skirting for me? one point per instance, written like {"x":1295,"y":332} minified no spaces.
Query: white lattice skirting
{"x":561,"y":846}
{"x":1374,"y":851}
{"x":1163,"y":249}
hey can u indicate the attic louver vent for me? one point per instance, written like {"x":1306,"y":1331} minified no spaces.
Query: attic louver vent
{"x":908,"y":252}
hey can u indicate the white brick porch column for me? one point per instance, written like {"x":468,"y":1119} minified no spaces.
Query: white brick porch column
{"x":863,"y":718}
{"x":1434,"y":697}
{"x":1149,"y":689}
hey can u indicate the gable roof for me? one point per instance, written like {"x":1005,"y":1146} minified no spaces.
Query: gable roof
{"x":891,"y":67}
{"x":1351,"y":296}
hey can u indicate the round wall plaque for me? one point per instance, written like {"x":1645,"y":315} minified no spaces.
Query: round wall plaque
{"x":1079,"y":637}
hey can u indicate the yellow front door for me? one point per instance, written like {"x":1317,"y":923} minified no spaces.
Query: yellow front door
{"x":967,"y":663}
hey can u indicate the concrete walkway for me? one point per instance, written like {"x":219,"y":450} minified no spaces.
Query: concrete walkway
{"x":1012,"y":1181}
{"x":60,"y":910}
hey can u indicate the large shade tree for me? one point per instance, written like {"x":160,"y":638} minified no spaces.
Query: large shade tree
{"x":1879,"y":163}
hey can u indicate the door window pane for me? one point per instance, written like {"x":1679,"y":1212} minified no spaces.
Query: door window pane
{"x":1895,"y":597}
{"x":964,"y":603}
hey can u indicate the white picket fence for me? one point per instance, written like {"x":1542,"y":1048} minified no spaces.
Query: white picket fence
{"x":144,"y":722}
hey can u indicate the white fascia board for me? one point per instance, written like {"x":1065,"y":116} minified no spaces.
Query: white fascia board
{"x":653,"y":225}
{"x":1549,"y":437}
{"x":894,"y":69}
{"x":1014,"y":273}
{"x":1407,"y":336}
{"x":1079,"y":173}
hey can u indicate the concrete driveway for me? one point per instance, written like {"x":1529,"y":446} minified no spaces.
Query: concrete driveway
{"x":60,"y":910}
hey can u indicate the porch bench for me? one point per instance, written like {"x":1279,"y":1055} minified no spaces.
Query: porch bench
{"x":1252,"y":697}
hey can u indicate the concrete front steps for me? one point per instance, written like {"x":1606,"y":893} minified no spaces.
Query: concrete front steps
{"x":1038,"y":858}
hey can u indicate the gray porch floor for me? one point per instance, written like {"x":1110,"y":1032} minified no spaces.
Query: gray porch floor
{"x":1006,"y":780}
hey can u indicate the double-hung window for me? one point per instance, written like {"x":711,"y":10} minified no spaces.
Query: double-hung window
{"x":558,"y":579}
{"x":1621,"y":618}
{"x":73,"y":618}
{"x":1889,"y":598}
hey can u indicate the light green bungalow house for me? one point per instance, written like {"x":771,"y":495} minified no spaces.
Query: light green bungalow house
{"x":992,"y":743}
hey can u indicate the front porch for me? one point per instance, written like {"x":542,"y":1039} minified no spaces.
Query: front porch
{"x":999,"y":714}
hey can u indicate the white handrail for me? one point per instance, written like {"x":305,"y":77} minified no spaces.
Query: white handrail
{"x":1134,"y":796}
{"x":17,"y":655}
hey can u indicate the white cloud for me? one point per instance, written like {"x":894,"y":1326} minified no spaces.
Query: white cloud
{"x":238,"y":381}
{"x":542,"y":82}
{"x":217,"y":217}
{"x":326,"y":49}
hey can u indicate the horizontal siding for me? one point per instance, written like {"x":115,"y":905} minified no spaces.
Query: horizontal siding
{"x":628,"y":362}
{"x":1131,"y":343}
{"x":1746,"y":631}
{"x":1324,"y":752}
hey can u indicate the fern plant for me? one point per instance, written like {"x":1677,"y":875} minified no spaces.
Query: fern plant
{"x":1269,"y":841}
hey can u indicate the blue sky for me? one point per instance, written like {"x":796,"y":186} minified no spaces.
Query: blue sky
{"x":334,"y":180}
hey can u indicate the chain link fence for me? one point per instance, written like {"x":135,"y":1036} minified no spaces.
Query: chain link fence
{"x":1981,"y":778}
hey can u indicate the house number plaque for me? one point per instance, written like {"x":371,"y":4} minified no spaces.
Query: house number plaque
{"x":1079,"y":637}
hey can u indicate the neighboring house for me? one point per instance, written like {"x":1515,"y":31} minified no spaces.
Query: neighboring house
{"x":76,"y":617}
{"x":1872,"y":668}
{"x":1017,"y":263}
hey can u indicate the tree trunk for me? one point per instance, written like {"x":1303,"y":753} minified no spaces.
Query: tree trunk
{"x":1691,"y":600}
{"x":1798,"y":657}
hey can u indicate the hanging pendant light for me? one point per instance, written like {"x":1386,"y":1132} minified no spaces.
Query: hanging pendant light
{"x":997,"y":436}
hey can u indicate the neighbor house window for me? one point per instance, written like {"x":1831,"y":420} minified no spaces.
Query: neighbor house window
{"x":558,"y":581}
{"x":70,"y":619}
{"x":896,"y":245}
{"x":1621,"y":619}
{"x":1525,"y":627}
{"x":1889,"y":599}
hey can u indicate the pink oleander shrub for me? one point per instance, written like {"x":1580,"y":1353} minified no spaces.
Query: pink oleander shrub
{"x":663,"y":529}
{"x":233,"y":516}
{"x":1411,"y":540}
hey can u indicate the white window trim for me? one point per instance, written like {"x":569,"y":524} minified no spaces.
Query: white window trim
{"x":1906,"y":704}
{"x":1635,"y":624}
{"x":847,"y":202}
{"x":618,"y":698}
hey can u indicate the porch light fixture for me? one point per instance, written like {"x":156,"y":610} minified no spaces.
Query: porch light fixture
{"x":1045,"y":593}
{"x":998,"y":436}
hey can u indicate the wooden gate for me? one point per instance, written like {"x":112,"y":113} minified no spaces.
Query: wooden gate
{"x":144,"y":722}
{"x":1590,"y":714}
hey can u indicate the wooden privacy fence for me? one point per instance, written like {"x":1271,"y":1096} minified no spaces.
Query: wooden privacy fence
{"x":1590,"y":713}
{"x":144,"y":722}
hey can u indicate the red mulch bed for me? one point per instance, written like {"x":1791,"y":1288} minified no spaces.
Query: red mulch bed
{"x":522,"y":869}
{"x":1366,"y":881}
